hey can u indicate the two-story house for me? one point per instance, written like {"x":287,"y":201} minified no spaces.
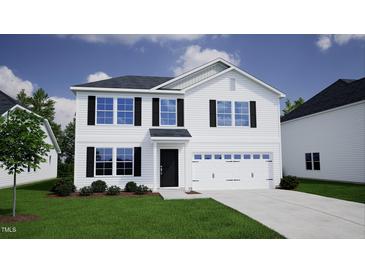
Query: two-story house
{"x":214,"y":127}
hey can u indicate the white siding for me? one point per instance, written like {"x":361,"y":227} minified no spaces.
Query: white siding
{"x":264,"y":138}
{"x":48,"y":170}
{"x":196,"y":77}
{"x":338,"y":135}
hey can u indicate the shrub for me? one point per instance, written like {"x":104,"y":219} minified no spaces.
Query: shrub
{"x":130,"y":187}
{"x":98,"y":186}
{"x":64,"y":189}
{"x":289,"y":182}
{"x":86,"y":191}
{"x":58,"y":186}
{"x":113,"y":190}
{"x":141,"y":189}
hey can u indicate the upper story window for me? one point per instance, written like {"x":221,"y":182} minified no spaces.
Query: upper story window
{"x":168,"y":112}
{"x":241,"y":114}
{"x":232,"y":84}
{"x":104,"y":110}
{"x":224,"y":113}
{"x":103,"y":161}
{"x":125,"y":111}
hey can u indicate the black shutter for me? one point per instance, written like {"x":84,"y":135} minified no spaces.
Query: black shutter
{"x":90,"y":161}
{"x":91,"y":111}
{"x":137,"y":111}
{"x":180,"y":112}
{"x":213,"y":113}
{"x":137,"y":161}
{"x":253,"y":113}
{"x":155,"y":112}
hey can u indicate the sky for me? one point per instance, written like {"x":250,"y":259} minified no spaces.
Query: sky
{"x":298,"y":65}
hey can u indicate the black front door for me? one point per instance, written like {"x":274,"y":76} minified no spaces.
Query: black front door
{"x":169,"y":167}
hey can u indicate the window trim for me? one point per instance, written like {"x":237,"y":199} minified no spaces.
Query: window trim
{"x":116,"y":109}
{"x":319,"y":161}
{"x":116,"y":162}
{"x":96,"y":110}
{"x":159,"y":111}
{"x":104,"y":161}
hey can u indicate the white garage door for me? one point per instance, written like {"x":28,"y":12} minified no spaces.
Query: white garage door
{"x":232,"y":170}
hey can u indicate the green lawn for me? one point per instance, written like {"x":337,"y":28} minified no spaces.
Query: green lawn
{"x":344,"y":191}
{"x":125,"y":217}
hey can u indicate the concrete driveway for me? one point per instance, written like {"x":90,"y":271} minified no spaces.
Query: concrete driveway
{"x":297,"y":215}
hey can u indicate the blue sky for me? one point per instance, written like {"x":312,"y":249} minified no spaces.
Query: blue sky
{"x":298,"y":65}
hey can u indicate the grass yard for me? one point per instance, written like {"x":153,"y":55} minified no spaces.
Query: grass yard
{"x":125,"y":217}
{"x":344,"y":191}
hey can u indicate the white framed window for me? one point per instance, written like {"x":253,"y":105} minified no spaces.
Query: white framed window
{"x":104,"y":110}
{"x":227,"y":156}
{"x":208,"y":157}
{"x":197,"y":157}
{"x":124,"y":161}
{"x":218,"y":156}
{"x":232,"y":84}
{"x":224,"y":113}
{"x":125,"y":111}
{"x":103,"y":161}
{"x":241,"y":114}
{"x":168,"y":114}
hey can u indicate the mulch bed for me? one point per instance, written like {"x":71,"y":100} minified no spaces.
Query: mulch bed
{"x":192,"y":192}
{"x":123,"y":193}
{"x":18,"y":218}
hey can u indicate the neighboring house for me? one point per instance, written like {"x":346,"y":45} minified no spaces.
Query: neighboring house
{"x":48,"y":169}
{"x":214,"y":127}
{"x":325,"y":137}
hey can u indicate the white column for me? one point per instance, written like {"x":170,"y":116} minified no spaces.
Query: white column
{"x":155,"y":167}
{"x":186,"y":165}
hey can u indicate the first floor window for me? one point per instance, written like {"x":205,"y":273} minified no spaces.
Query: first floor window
{"x":316,"y":162}
{"x":104,"y":161}
{"x":241,"y":115}
{"x":124,"y":161}
{"x":104,"y":110}
{"x":168,"y":112}
{"x":125,"y":111}
{"x":308,"y":161}
{"x":224,"y":113}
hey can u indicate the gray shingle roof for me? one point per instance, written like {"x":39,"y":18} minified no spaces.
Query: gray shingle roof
{"x":161,"y":132}
{"x":6,"y":102}
{"x":340,"y":93}
{"x":129,"y":81}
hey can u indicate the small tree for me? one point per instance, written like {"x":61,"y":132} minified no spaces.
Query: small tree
{"x":289,"y":106}
{"x":22,"y":143}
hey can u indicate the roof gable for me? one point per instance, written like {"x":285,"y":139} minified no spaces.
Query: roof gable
{"x":179,"y":84}
{"x":340,"y":93}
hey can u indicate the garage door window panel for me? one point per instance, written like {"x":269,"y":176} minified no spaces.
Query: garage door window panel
{"x":256,"y":156}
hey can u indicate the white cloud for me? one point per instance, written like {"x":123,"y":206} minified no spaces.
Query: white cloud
{"x":131,"y":39}
{"x":342,"y":39}
{"x":97,"y":76}
{"x":65,"y":110}
{"x":326,"y":41}
{"x":195,"y":56}
{"x":11,"y":84}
